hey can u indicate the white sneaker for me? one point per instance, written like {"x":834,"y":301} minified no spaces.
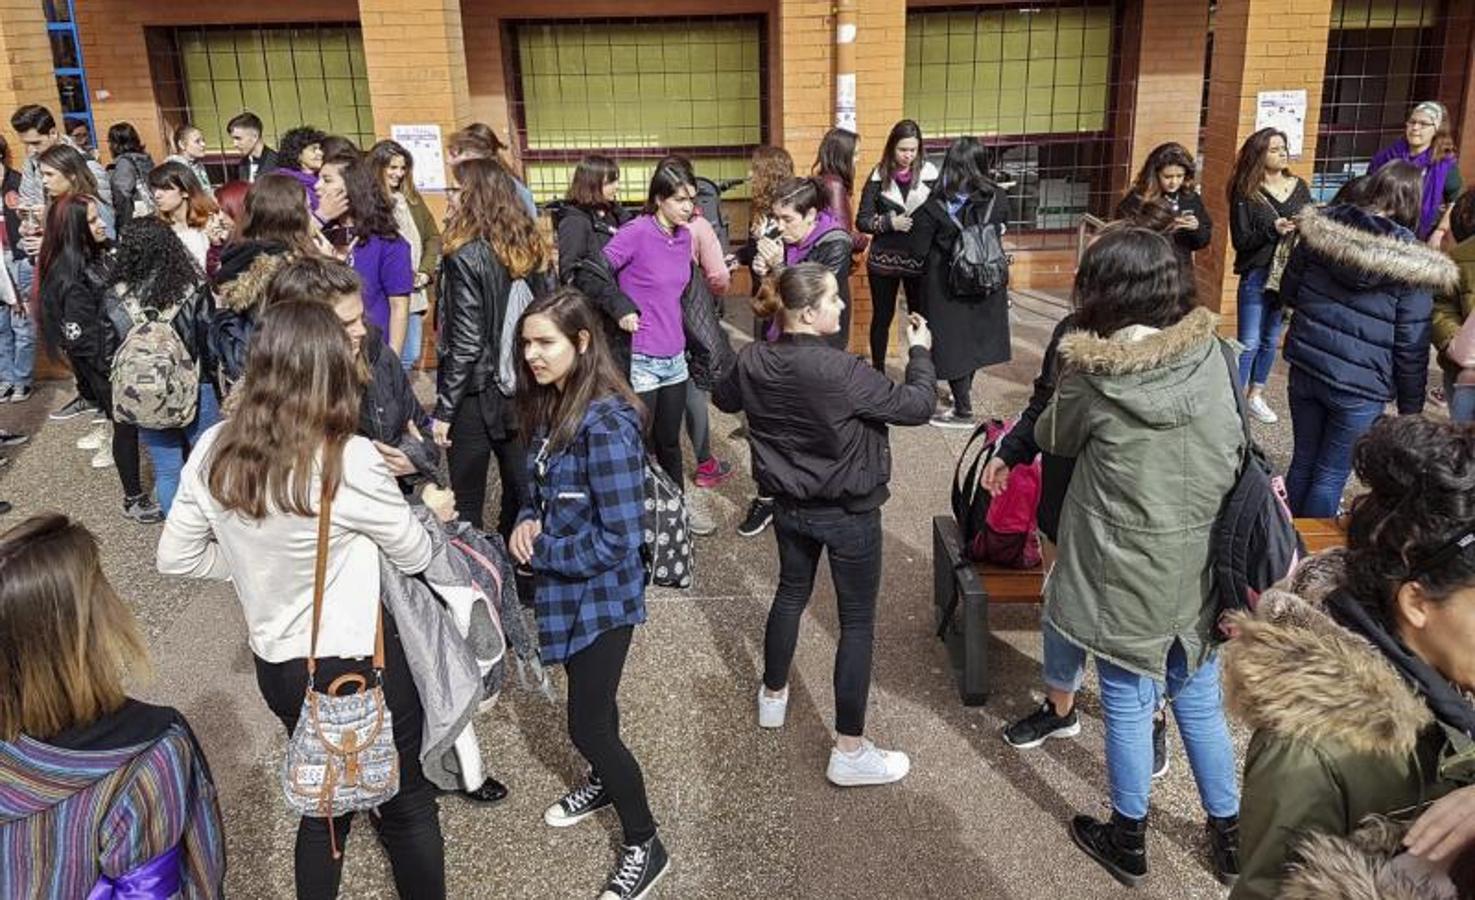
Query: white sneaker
{"x":869,"y":765}
{"x":1260,"y":411}
{"x":698,"y":517}
{"x":103,"y":458}
{"x":772,"y":710}
{"x":94,"y":438}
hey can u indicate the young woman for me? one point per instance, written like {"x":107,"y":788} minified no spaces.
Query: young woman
{"x":72,"y":289}
{"x":1147,"y":485}
{"x":301,"y":157}
{"x":128,"y":177}
{"x":491,"y":244}
{"x":817,"y":420}
{"x":395,"y":169}
{"x":651,"y":258}
{"x":1167,"y":176}
{"x":897,"y":187}
{"x":182,"y":204}
{"x":1356,"y":264}
{"x":1356,"y":677}
{"x":584,"y":222}
{"x":581,"y":534}
{"x":1428,"y":143}
{"x":376,"y":250}
{"x":834,"y":166}
{"x":104,"y":796}
{"x":971,"y":332}
{"x":190,"y":151}
{"x":248,"y":509}
{"x":1264,"y":198}
{"x":808,"y":232}
{"x":64,"y":172}
{"x":17,"y":334}
{"x":770,"y":167}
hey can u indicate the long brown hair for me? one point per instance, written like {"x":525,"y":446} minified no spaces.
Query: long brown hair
{"x":770,"y":166}
{"x":276,"y":211}
{"x":1249,"y":168}
{"x":1146,"y":184}
{"x":381,"y":155}
{"x":66,"y":639}
{"x":70,"y":162}
{"x":300,"y":395}
{"x":198,"y":204}
{"x":490,"y":209}
{"x":544,"y":409}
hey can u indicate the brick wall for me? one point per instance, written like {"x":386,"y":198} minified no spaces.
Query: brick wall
{"x":25,"y":64}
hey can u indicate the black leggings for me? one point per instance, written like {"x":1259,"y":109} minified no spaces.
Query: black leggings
{"x":594,"y":726}
{"x":962,"y":389}
{"x":474,"y":440}
{"x":883,"y":310}
{"x":409,"y":824}
{"x":95,"y":387}
{"x":667,"y":407}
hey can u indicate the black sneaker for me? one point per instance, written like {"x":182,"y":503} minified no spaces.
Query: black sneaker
{"x":142,"y":510}
{"x":1119,"y":845}
{"x":75,"y":407}
{"x":1159,"y":745}
{"x":1224,"y":846}
{"x":19,"y":393}
{"x":12,"y":440}
{"x":1041,"y":725}
{"x":641,"y":866}
{"x":760,"y":516}
{"x":578,"y":804}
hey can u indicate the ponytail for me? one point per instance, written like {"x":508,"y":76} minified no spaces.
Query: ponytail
{"x":802,"y":194}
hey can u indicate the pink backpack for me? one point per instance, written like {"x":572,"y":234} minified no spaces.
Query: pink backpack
{"x":998,"y":530}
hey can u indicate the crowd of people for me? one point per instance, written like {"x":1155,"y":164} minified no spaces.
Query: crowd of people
{"x":259,"y":339}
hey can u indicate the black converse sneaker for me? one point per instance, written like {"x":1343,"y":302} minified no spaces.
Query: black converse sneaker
{"x":641,"y":866}
{"x":1041,"y":725}
{"x":578,"y":804}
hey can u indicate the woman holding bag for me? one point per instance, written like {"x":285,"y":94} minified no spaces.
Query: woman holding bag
{"x":249,"y":510}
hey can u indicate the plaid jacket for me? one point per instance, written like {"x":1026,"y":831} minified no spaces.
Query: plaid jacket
{"x":590,"y":496}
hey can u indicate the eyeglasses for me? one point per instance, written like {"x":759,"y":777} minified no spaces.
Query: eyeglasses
{"x":1420,"y":123}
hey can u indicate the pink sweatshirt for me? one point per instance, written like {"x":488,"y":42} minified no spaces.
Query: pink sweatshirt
{"x":706,"y":251}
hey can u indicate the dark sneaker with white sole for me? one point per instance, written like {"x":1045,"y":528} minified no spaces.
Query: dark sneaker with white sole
{"x":951,"y":419}
{"x":759,"y":517}
{"x":142,"y":510}
{"x":1041,"y":725}
{"x":73,"y":408}
{"x":578,"y":804}
{"x":641,"y":866}
{"x":12,"y":440}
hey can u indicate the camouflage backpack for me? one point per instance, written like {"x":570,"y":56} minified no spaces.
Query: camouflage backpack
{"x":156,"y":384}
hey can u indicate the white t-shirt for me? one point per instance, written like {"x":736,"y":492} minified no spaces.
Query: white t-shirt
{"x":271,"y":560}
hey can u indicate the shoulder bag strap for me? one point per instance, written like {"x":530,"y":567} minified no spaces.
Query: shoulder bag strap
{"x":319,"y":580}
{"x":1232,"y":361}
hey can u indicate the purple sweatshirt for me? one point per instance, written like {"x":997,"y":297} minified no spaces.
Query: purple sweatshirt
{"x":653,"y":269}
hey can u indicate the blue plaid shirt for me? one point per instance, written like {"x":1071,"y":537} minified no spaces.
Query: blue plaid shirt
{"x":588,"y":574}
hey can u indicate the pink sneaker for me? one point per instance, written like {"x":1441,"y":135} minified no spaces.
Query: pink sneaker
{"x":712,"y":472}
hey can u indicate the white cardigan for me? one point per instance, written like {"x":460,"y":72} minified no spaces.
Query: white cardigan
{"x":271,"y":560}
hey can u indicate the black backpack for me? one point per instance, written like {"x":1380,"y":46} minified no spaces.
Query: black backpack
{"x":979,"y":267}
{"x":1254,"y":543}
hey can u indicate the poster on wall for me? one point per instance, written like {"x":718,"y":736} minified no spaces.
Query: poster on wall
{"x":423,"y":142}
{"x":1285,"y":111}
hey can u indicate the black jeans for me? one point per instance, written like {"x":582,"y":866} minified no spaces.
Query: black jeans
{"x":94,"y":386}
{"x":962,"y":389}
{"x":409,"y":824}
{"x":883,"y":309}
{"x":480,"y":430}
{"x":667,"y":407}
{"x":854,"y":544}
{"x":594,"y":726}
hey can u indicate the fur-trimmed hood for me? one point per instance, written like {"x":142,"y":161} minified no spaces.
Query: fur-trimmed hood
{"x":1117,"y":355}
{"x":1365,"y":865}
{"x":244,"y":271}
{"x":1293,"y":670}
{"x":1363,"y":250}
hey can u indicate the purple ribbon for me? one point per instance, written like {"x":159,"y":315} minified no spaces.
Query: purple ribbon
{"x":157,"y":879}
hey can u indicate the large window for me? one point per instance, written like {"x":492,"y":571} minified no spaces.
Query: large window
{"x":288,"y":75}
{"x":1383,"y":56}
{"x":637,"y":89}
{"x":1036,"y":83}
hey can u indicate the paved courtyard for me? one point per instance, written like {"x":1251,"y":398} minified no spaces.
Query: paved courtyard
{"x":745,"y":813}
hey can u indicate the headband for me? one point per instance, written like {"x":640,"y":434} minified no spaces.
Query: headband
{"x":1434,"y":109}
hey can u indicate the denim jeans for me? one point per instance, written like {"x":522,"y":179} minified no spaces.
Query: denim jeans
{"x":18,"y":333}
{"x":648,"y":373}
{"x":167,"y":447}
{"x":414,"y":340}
{"x":1064,"y":664}
{"x":1325,"y":424}
{"x":1461,"y":399}
{"x":1127,"y":704}
{"x":1259,"y":328}
{"x":853,"y":541}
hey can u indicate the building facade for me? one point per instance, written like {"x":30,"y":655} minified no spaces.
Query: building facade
{"x":1071,"y":94}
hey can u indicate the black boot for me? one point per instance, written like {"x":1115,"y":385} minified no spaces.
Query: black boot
{"x":1119,"y":845}
{"x":1224,"y":845}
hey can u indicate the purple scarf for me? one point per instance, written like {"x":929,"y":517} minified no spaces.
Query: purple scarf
{"x":157,"y":879}
{"x":1435,"y":173}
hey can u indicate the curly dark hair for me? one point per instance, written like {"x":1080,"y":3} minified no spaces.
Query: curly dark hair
{"x":368,"y":201}
{"x":294,"y":141}
{"x":1420,"y":474}
{"x":154,"y":264}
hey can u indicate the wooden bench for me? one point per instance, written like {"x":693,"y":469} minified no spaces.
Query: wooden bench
{"x":977,"y":585}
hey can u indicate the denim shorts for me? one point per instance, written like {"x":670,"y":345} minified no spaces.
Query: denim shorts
{"x":649,"y":373}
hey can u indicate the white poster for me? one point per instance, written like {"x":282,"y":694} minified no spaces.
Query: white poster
{"x":1285,"y":111}
{"x":423,"y":142}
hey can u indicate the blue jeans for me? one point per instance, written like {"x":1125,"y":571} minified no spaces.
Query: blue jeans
{"x":1325,"y":424}
{"x":18,"y":333}
{"x":414,"y":336}
{"x":1064,"y":664}
{"x":1461,"y":400}
{"x":1128,"y":701}
{"x":1259,"y":328}
{"x":167,"y":447}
